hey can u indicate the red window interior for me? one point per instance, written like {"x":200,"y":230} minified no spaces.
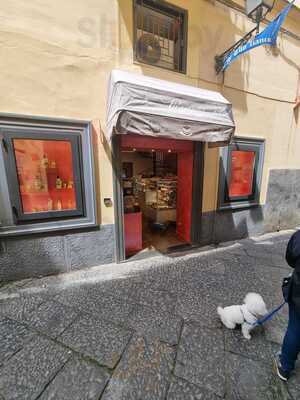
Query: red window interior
{"x":242,"y":170}
{"x":45,"y":174}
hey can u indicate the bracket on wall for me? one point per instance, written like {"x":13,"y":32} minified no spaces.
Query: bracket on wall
{"x":220,"y":59}
{"x":256,"y":10}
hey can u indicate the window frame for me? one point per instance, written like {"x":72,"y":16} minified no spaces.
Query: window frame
{"x":13,"y":182}
{"x":79,"y":131}
{"x":225,"y":202}
{"x":164,"y":7}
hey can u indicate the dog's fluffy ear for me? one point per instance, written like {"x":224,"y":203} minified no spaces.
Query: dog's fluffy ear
{"x":251,"y":297}
{"x":255,"y":303}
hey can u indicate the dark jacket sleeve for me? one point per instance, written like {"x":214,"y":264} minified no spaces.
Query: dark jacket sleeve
{"x":292,"y":255}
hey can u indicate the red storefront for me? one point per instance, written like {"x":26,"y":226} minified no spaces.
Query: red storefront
{"x":158,"y":130}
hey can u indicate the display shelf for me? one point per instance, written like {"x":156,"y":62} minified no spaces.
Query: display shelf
{"x":167,"y":193}
{"x":35,"y":193}
{"x":163,"y":189}
{"x":64,"y":190}
{"x":50,"y":169}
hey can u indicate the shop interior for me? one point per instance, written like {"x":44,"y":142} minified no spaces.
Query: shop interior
{"x":150,"y":192}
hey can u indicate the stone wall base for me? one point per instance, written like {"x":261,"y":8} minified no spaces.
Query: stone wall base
{"x":45,"y":255}
{"x":281,"y":211}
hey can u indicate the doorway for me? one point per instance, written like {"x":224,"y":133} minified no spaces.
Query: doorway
{"x":156,"y":189}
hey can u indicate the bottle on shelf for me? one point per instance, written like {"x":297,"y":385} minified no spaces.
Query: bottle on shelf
{"x":70,"y":204}
{"x":45,"y":185}
{"x":50,"y":204}
{"x":45,"y":161}
{"x":53,"y":164}
{"x":58,"y":183}
{"x":136,"y":207}
{"x":58,"y":205}
{"x":70,"y":184}
{"x":38,"y":183}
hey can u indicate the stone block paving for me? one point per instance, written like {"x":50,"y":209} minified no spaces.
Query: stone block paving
{"x":201,"y":358}
{"x":77,"y":380}
{"x":147,"y":329}
{"x":99,"y":340}
{"x":27,"y":372}
{"x":143,"y":372}
{"x":50,"y":318}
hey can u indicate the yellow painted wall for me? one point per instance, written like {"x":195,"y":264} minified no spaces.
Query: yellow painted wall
{"x":56,"y":57}
{"x":55,"y":60}
{"x":261,"y":85}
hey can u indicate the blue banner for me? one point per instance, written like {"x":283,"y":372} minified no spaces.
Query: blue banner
{"x":267,"y":37}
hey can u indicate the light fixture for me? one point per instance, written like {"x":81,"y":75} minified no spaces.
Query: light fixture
{"x":258,"y":9}
{"x":153,"y":150}
{"x":169,"y":151}
{"x":133,"y":149}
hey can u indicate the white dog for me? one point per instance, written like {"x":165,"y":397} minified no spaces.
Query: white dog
{"x":245,"y":315}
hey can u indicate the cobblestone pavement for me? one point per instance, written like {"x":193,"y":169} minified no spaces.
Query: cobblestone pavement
{"x":146,"y":330}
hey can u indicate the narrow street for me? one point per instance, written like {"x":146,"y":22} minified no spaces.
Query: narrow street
{"x":146,"y":329}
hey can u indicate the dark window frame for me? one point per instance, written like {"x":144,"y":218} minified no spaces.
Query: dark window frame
{"x":170,"y":10}
{"x":38,"y":125}
{"x":235,"y":202}
{"x":20,"y":217}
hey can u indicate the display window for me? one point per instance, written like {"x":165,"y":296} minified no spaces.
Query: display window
{"x":45,"y":175}
{"x":240,"y":173}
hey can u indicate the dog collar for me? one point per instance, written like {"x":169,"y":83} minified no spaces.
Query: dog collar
{"x":252,"y":315}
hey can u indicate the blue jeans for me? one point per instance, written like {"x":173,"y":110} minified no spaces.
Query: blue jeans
{"x":291,"y":343}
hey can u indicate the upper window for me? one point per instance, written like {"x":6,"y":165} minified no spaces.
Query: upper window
{"x":160,"y":34}
{"x":240,"y":173}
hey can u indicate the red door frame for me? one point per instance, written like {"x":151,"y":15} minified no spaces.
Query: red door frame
{"x":160,"y":144}
{"x":185,"y":162}
{"x":185,"y":151}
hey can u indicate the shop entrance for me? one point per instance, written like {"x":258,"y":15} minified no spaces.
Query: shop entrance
{"x":157,"y":192}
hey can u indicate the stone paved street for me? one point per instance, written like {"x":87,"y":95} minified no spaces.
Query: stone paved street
{"x":146,"y":329}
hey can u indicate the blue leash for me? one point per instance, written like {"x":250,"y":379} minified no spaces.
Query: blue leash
{"x":261,"y":321}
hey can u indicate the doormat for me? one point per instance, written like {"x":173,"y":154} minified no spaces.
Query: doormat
{"x":180,"y":247}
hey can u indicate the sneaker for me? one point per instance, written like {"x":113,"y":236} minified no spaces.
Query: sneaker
{"x":284,"y":376}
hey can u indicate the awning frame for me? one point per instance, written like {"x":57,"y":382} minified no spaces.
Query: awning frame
{"x":138,"y":104}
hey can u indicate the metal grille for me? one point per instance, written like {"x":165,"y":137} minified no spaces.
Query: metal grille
{"x":158,"y":37}
{"x":160,"y":162}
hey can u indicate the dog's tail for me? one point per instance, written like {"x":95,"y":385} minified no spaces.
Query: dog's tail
{"x":219,"y":310}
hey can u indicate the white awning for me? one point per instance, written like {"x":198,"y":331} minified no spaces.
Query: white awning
{"x":138,"y":104}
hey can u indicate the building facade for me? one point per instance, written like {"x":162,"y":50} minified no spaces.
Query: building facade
{"x":55,"y":72}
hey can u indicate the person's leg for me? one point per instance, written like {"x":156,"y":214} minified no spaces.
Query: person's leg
{"x":291,"y":343}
